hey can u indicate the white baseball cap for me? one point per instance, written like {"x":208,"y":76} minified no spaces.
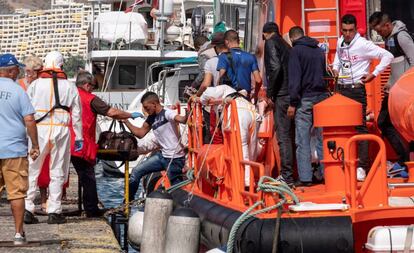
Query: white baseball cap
{"x":53,"y":60}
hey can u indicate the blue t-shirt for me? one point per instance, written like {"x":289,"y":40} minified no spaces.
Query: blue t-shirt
{"x":244,"y":64}
{"x":14,"y":106}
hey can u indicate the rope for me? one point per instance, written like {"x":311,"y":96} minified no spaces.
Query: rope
{"x":121,"y":208}
{"x":189,"y":180}
{"x":266,"y":184}
{"x":103,"y":88}
{"x":190,"y":194}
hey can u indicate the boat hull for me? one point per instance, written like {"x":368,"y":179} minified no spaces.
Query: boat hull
{"x":312,"y":234}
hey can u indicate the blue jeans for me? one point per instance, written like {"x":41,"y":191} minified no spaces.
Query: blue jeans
{"x":304,"y":123}
{"x":155,"y":163}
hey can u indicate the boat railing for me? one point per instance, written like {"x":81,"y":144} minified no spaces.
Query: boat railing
{"x":373,"y":191}
{"x":230,"y":172}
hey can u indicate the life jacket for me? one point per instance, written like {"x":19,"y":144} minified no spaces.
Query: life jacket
{"x":393,"y":46}
{"x":90,"y":147}
{"x":55,"y":74}
{"x":23,"y":83}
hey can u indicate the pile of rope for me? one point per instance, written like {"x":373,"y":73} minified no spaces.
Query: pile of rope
{"x":268,"y":185}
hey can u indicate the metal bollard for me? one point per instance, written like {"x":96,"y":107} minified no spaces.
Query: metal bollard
{"x":183,"y":232}
{"x":158,"y":207}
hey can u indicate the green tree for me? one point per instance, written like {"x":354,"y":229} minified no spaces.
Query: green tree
{"x":72,"y":65}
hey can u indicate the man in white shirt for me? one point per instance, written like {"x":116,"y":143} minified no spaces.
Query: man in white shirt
{"x":163,"y":123}
{"x":352,"y":61}
{"x":211,"y":75}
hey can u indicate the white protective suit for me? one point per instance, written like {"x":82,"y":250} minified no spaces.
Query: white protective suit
{"x":249,"y":122}
{"x":54,"y":137}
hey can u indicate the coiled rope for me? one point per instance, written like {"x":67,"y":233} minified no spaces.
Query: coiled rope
{"x":266,"y":184}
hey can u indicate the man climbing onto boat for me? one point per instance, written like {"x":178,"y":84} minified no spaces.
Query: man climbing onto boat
{"x":352,"y":62}
{"x":248,"y":119}
{"x":211,"y":78}
{"x":307,"y":87}
{"x":206,"y":51}
{"x":163,"y":123}
{"x":84,"y":160}
{"x":399,"y":42}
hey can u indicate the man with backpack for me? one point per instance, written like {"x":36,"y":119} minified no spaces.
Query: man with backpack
{"x":399,"y":42}
{"x":56,"y":101}
{"x":238,"y":66}
{"x":276,"y":59}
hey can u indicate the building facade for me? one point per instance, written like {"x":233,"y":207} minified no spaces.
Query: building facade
{"x":64,"y":27}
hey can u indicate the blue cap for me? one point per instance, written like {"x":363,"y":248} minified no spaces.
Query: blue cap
{"x":8,"y":60}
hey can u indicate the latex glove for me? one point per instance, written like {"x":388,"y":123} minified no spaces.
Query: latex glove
{"x":135,"y":115}
{"x":78,"y":145}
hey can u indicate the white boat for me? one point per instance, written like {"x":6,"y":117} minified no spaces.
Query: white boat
{"x":125,"y":53}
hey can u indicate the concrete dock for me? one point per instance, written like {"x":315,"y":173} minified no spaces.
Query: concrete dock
{"x":79,"y":234}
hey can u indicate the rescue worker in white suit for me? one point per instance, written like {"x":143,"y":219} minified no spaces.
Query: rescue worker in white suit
{"x":54,"y":110}
{"x":249,"y":120}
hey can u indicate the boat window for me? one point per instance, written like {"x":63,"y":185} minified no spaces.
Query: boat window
{"x":127,"y":75}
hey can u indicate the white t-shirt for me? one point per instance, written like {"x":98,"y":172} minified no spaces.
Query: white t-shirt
{"x":220,"y":91}
{"x":166,"y":133}
{"x":211,"y":67}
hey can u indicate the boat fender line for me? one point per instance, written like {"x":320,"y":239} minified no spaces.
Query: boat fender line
{"x":158,"y":207}
{"x":183,"y":231}
{"x":189,"y":180}
{"x":266,"y":184}
{"x":121,"y":208}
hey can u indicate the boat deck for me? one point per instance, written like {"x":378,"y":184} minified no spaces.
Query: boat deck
{"x":79,"y":234}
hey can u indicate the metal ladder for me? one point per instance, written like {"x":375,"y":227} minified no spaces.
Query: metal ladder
{"x":305,"y":10}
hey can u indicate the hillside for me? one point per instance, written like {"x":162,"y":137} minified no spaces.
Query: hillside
{"x":32,"y":4}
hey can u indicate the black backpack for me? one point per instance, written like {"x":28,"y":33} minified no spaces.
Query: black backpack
{"x":397,"y":44}
{"x":226,"y":79}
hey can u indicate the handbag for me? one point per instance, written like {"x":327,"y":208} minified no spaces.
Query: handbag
{"x":123,"y":143}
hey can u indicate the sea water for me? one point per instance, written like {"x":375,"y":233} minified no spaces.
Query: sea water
{"x":111,"y":192}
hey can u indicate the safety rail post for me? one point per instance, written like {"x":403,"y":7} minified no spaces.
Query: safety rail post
{"x":260,"y":168}
{"x":195,"y":134}
{"x":379,"y":166}
{"x":232,"y":142}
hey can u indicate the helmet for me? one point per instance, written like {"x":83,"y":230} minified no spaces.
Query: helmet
{"x":53,"y":60}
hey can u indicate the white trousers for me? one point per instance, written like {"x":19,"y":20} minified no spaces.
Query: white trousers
{"x":249,"y":126}
{"x":55,"y":141}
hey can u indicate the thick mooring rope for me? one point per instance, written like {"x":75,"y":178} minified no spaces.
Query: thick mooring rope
{"x":266,"y":184}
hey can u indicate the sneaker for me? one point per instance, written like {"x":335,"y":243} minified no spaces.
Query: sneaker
{"x":19,"y":239}
{"x":29,"y":218}
{"x":396,"y":170}
{"x":303,"y":184}
{"x":281,"y":179}
{"x":56,"y":218}
{"x":361,"y":174}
